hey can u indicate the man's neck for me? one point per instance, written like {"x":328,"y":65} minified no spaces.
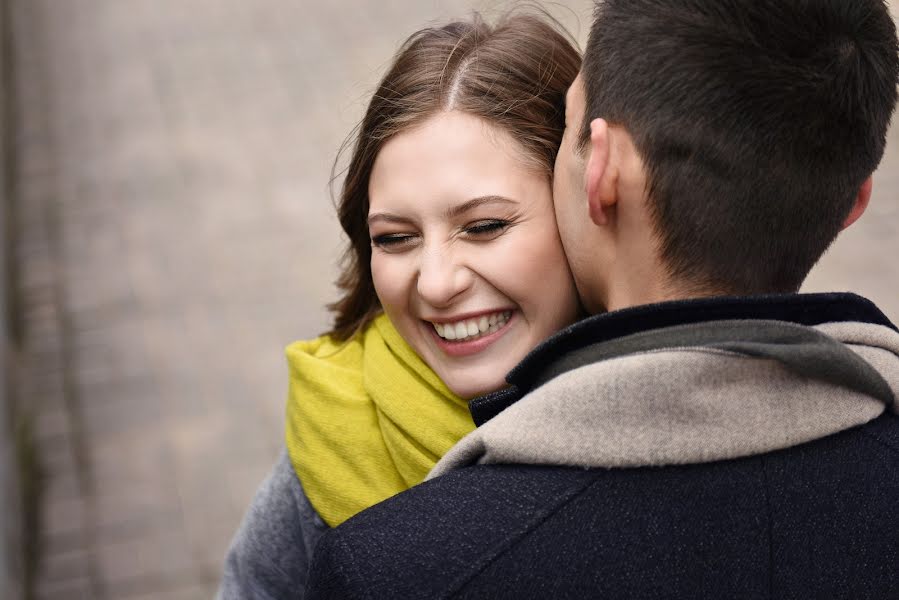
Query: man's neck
{"x":658,"y":287}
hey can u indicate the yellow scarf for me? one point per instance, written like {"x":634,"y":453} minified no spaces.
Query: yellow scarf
{"x":366,"y":419}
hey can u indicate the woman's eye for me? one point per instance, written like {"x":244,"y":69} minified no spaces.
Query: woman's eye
{"x":393,"y":241}
{"x":487,"y":229}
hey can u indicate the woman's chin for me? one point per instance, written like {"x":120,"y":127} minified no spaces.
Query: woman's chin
{"x":472,"y":389}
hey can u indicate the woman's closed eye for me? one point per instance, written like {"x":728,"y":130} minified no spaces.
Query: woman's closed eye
{"x":486,"y":229}
{"x":482,"y":230}
{"x":394,"y":242}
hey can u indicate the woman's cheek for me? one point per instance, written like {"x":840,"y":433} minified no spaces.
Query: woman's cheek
{"x":387,"y":273}
{"x":380,"y":277}
{"x":544,"y":280}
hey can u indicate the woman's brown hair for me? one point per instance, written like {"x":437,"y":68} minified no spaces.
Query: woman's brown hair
{"x":513,"y":75}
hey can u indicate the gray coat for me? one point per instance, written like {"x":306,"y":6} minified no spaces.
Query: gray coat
{"x":270,"y":555}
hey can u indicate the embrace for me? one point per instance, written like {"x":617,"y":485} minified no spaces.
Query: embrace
{"x":570,"y":359}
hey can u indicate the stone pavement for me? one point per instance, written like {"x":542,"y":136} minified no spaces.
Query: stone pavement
{"x":175,"y":233}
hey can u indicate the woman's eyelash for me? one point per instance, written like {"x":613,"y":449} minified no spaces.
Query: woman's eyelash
{"x":391,"y":239}
{"x":487,"y":227}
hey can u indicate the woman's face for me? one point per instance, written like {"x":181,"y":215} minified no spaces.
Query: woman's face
{"x":466,"y":257}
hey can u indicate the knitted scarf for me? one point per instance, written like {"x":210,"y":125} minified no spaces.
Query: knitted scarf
{"x":366,"y":419}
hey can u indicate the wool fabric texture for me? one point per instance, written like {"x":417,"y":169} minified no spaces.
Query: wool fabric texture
{"x":366,"y":419}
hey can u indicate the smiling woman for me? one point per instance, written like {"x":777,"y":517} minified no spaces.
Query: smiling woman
{"x":454,"y":272}
{"x":467,"y":261}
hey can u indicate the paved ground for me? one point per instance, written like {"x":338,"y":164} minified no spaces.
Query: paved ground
{"x":176,"y":233}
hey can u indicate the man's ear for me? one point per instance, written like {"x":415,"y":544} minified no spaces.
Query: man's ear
{"x":861,"y":202}
{"x":599,"y":175}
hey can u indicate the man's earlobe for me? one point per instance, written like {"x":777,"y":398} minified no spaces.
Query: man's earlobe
{"x":600,"y":180}
{"x":861,"y":202}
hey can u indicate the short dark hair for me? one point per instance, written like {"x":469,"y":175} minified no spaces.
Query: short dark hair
{"x":513,"y":74}
{"x":757,"y":122}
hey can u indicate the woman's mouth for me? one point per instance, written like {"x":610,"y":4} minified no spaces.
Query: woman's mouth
{"x":470,"y":336}
{"x":471,"y":329}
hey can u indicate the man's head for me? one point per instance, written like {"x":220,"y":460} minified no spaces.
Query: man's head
{"x":728,"y":141}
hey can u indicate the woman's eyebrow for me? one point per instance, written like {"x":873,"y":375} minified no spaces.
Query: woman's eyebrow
{"x":460,"y":209}
{"x":387,"y":218}
{"x":451,"y":212}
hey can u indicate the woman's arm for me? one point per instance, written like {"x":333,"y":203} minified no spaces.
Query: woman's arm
{"x":270,"y":555}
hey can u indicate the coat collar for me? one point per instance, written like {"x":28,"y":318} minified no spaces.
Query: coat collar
{"x":799,"y":309}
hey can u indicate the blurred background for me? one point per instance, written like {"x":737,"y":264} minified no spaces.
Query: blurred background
{"x":167,"y":230}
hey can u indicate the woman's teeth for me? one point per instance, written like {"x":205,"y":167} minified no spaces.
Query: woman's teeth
{"x":472,"y":329}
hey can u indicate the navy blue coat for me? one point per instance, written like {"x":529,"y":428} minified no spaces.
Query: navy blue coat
{"x":814,"y":521}
{"x":818,"y":520}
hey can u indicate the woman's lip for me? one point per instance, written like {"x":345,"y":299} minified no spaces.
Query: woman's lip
{"x":468,"y":348}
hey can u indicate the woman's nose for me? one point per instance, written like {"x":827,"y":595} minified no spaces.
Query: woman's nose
{"x":441,"y":279}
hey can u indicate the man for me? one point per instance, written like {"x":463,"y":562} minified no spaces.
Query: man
{"x":715,"y":434}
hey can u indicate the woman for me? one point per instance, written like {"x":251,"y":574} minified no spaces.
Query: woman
{"x":454,"y":273}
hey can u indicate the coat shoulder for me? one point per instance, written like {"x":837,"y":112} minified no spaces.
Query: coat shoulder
{"x":806,"y":518}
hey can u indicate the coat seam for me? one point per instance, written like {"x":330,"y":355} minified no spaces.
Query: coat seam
{"x":350,"y":564}
{"x":514,"y":540}
{"x":766,"y":488}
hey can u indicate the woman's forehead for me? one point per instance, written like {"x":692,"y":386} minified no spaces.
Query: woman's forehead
{"x":453,"y":157}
